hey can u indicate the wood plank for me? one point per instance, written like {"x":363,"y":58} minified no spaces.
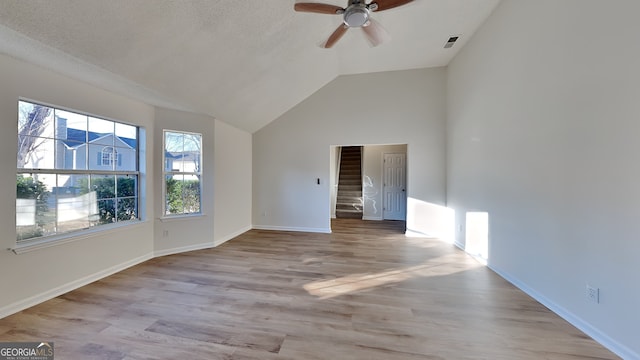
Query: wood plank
{"x":363,"y":292}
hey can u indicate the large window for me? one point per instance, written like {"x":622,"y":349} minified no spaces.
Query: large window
{"x":182,"y":173}
{"x":74,"y":171}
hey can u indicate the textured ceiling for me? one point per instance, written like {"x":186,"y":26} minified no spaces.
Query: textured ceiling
{"x":245,"y":62}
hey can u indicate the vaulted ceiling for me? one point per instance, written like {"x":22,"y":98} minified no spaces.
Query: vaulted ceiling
{"x":245,"y":62}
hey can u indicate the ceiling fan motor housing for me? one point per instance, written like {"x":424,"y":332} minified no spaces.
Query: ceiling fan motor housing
{"x":356,"y":15}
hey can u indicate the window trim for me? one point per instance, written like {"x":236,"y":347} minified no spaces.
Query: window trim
{"x":39,"y":242}
{"x":166,"y":216}
{"x":79,"y":235}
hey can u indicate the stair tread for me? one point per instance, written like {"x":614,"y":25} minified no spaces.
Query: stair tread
{"x":349,"y":201}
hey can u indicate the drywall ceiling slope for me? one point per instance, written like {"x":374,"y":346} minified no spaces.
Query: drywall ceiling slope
{"x":244,"y":62}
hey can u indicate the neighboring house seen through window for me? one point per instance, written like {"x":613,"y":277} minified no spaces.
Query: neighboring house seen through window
{"x":182,"y":173}
{"x":75,"y":171}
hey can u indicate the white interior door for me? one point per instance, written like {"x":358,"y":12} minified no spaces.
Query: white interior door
{"x":395,"y":180}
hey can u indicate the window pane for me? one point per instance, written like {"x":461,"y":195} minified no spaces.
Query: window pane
{"x":101,"y":131}
{"x":173,"y":186}
{"x":75,"y":207}
{"x":26,"y":226}
{"x":191,"y":194}
{"x":192,"y":143}
{"x":104,"y":186}
{"x":65,"y":155}
{"x":173,"y":142}
{"x":172,"y":162}
{"x":35,"y":205}
{"x":70,"y":127}
{"x":127,"y":186}
{"x":127,"y":134}
{"x":35,"y":120}
{"x":190,"y":162}
{"x":35,"y":152}
{"x":107,"y":210}
{"x":77,"y":184}
{"x":127,"y":209}
{"x":101,"y":157}
{"x":125,"y":159}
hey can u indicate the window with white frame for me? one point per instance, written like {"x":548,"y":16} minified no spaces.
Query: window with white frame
{"x":74,"y":171}
{"x":182,"y":172}
{"x":109,"y":156}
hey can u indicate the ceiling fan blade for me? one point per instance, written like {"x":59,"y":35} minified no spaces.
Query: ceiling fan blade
{"x":389,"y":4}
{"x":341,"y":30}
{"x":375,"y":33}
{"x":317,"y":8}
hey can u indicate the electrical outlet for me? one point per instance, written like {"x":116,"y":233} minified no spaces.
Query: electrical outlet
{"x":593,"y":294}
{"x":165,"y":233}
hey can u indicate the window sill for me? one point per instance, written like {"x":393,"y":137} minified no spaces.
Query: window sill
{"x":55,"y":240}
{"x":181,"y":217}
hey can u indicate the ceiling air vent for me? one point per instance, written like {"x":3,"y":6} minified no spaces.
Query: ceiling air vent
{"x":452,"y":40}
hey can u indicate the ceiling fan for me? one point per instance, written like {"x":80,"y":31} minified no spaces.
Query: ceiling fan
{"x":356,"y":14}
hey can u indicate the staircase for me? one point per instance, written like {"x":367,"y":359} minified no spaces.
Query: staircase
{"x":349,"y":199}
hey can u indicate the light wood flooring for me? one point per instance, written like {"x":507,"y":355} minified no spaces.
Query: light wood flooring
{"x":364,"y":292}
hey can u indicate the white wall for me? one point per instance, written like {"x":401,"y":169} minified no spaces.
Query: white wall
{"x":232,"y":182}
{"x":543,"y":124}
{"x":184,"y":233}
{"x":226,"y":184}
{"x":31,"y":277}
{"x":38,"y":275}
{"x":289,"y":154}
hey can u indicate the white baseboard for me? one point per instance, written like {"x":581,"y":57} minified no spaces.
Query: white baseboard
{"x":201,"y":246}
{"x":606,"y":341}
{"x":228,"y":237}
{"x":416,"y":233}
{"x":182,"y":249}
{"x":297,"y":229}
{"x":50,"y":294}
{"x":373,"y":218}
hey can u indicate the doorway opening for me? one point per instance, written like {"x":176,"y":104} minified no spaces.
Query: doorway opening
{"x":382,"y":179}
{"x":349,"y":201}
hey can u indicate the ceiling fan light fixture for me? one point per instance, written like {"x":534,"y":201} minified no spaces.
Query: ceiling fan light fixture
{"x":356,"y":15}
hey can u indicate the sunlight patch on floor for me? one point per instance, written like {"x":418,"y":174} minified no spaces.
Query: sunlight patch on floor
{"x":353,"y":283}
